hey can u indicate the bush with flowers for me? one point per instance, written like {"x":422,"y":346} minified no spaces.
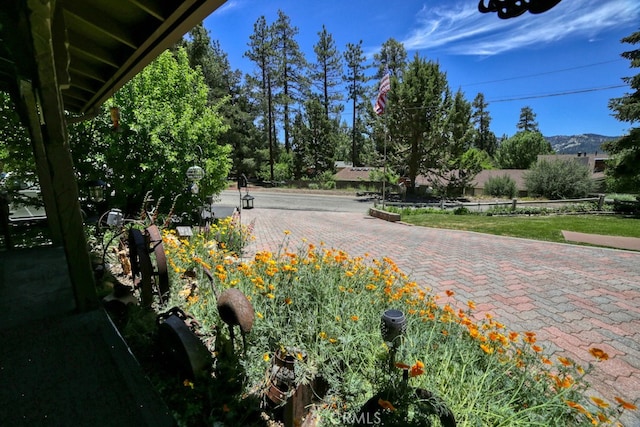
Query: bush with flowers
{"x":324,"y":306}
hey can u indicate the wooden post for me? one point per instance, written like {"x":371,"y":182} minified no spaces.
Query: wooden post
{"x":65,"y":202}
{"x":514,"y":202}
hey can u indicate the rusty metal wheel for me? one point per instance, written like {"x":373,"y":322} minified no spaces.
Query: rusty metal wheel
{"x":141,"y":268}
{"x":161,"y":275}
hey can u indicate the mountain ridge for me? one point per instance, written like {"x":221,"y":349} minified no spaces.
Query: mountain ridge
{"x":583,"y":143}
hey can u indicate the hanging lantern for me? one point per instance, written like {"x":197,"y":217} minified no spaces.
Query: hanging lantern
{"x":195,"y":173}
{"x":115,"y":117}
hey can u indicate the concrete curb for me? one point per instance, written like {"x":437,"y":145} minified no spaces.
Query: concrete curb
{"x":387,"y":216}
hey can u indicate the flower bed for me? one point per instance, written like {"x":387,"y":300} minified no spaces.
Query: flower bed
{"x":323,"y":307}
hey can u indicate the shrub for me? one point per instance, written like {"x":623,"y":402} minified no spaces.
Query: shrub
{"x":501,"y":186}
{"x":324,"y":307}
{"x":559,"y":179}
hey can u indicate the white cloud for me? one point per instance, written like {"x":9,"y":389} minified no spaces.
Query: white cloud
{"x":229,"y":6}
{"x":459,"y":28}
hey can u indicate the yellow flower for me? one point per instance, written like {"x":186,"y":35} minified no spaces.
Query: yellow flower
{"x":471,"y":304}
{"x":271,"y":296}
{"x":370,"y":287}
{"x":287,"y":301}
{"x":260,"y":316}
{"x":333,"y":340}
{"x":266,"y":357}
{"x":322,"y":335}
{"x":487,"y":349}
{"x":287,"y":232}
{"x":599,"y":402}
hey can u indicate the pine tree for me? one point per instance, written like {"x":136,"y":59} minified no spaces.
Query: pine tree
{"x":291,"y":65}
{"x":326,"y":72}
{"x":484,"y":139}
{"x":355,"y":80}
{"x":418,"y":110}
{"x":261,"y":52}
{"x":622,"y":170}
{"x":527,"y":121}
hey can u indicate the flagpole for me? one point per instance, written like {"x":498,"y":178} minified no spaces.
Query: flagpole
{"x":384,"y":173}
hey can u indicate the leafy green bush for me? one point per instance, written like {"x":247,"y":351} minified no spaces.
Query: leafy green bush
{"x":501,"y":186}
{"x":559,"y":179}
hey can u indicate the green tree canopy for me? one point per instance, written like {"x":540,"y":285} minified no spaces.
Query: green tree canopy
{"x":521,"y":150}
{"x":622,"y":170}
{"x":166,"y":126}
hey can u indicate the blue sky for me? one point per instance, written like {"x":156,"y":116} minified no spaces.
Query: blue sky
{"x":565,"y":63}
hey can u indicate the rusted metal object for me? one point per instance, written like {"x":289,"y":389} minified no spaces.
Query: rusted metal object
{"x":181,"y":343}
{"x":161,"y":275}
{"x":145,"y":275}
{"x":141,"y":268}
{"x":512,"y":8}
{"x":235,"y":309}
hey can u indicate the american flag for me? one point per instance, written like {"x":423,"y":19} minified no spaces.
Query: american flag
{"x":381,"y":100}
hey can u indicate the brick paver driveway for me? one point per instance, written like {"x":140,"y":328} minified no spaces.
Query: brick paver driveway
{"x":574,"y":297}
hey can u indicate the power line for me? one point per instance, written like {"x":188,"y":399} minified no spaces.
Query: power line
{"x":540,"y":74}
{"x":549,"y":95}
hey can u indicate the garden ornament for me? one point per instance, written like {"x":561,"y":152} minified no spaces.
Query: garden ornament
{"x":512,"y":8}
{"x":184,"y":347}
{"x":393,"y":324}
{"x":234,"y":309}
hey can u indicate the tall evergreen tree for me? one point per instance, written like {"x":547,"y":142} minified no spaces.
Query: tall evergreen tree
{"x":261,"y":52}
{"x":355,"y":80}
{"x":622,"y":170}
{"x":291,"y":67}
{"x":326,"y":72}
{"x":418,"y":109}
{"x":315,"y":139}
{"x":392,"y":56}
{"x":226,"y":91}
{"x":484,"y":139}
{"x":527,"y":121}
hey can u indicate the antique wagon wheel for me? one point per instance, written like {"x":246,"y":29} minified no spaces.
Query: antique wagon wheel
{"x":141,"y":265}
{"x":160,"y":275}
{"x":141,"y":245}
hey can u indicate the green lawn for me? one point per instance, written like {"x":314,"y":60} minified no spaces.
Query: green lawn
{"x":548,"y":227}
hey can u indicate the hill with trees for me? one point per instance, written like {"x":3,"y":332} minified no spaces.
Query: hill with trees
{"x":573,"y":144}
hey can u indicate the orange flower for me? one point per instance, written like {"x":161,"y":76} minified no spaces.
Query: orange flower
{"x":626,"y":405}
{"x":450,"y":293}
{"x":287,"y":301}
{"x":385,"y":404}
{"x":599,"y":354}
{"x":355,"y":318}
{"x":565,"y":361}
{"x":417,"y":369}
{"x":471,"y":304}
{"x":599,"y":402}
{"x":225,"y":408}
{"x":530,"y":337}
{"x":576,"y":406}
{"x":536,"y":348}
